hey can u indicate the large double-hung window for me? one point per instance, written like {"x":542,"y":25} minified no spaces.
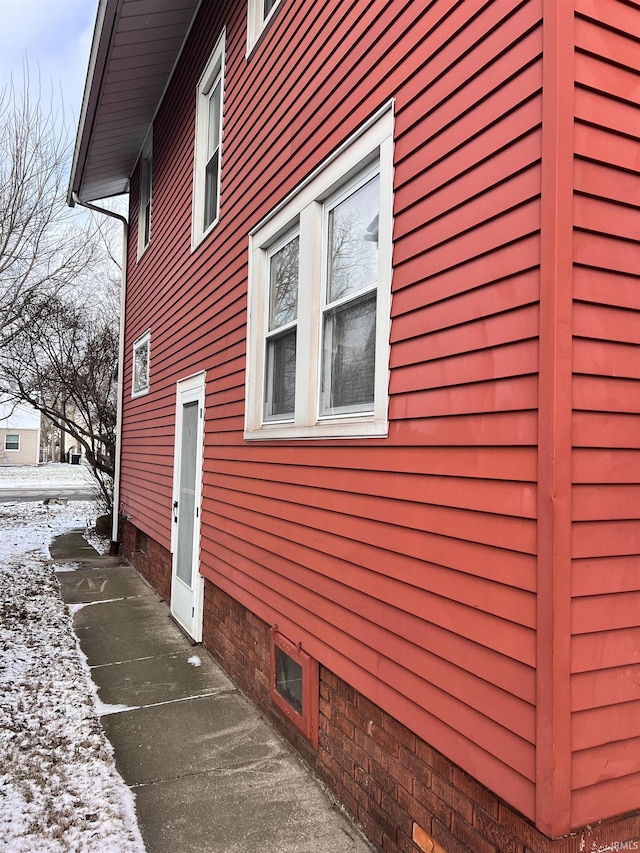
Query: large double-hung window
{"x":320,"y":299}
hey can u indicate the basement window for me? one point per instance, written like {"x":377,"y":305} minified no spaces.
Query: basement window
{"x":142,"y":542}
{"x":294,"y":685}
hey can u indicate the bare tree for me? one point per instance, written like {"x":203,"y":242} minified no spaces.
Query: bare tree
{"x":64,"y":364}
{"x":58,"y":348}
{"x":43,"y":249}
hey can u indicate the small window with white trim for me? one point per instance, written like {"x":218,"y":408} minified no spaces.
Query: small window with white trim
{"x":259,"y":14}
{"x":141,"y":365}
{"x":144,"y":211}
{"x":12,"y":442}
{"x":320,"y":299}
{"x":208,"y":148}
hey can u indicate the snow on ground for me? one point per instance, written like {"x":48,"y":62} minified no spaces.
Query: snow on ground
{"x":52,"y":473}
{"x":59,"y":789}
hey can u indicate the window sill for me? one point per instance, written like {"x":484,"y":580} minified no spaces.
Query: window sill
{"x":333,"y":429}
{"x":197,"y":239}
{"x":142,"y":252}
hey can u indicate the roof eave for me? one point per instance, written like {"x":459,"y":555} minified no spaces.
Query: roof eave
{"x":98,"y":55}
{"x":132,"y":40}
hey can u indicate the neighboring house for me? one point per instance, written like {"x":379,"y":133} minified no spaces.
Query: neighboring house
{"x":380,"y":432}
{"x":53,"y":439}
{"x":19,"y":434}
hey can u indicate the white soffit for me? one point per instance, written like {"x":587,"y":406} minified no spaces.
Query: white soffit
{"x":135,"y":47}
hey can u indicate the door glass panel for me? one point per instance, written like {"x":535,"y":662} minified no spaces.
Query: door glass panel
{"x":187,"y":495}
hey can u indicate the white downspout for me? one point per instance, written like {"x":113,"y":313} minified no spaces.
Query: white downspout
{"x":123,"y":295}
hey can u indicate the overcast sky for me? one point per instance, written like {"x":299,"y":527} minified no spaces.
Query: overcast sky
{"x":55,"y":37}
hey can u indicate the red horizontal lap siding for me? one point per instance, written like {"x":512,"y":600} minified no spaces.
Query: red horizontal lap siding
{"x":406,"y":565}
{"x":369,"y":667}
{"x":353,"y":537}
{"x":603,"y":575}
{"x":605,"y":687}
{"x":623,"y":790}
{"x":499,"y":496}
{"x":606,"y":358}
{"x":432,"y":673}
{"x":606,"y":494}
{"x":606,"y":501}
{"x":485,"y":464}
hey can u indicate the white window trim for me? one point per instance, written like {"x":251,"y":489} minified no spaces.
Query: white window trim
{"x":256,"y":23}
{"x":213,"y":68}
{"x":146,"y":194}
{"x":373,"y":142}
{"x":142,"y":342}
{"x":12,"y":449}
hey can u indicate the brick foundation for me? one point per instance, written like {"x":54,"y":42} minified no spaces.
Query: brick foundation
{"x":154,"y":565}
{"x":407,"y":796}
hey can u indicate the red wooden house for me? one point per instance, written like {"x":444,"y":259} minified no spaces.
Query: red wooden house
{"x":380,"y":433}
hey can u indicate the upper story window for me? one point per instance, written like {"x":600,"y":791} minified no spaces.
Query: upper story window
{"x":144,"y":212}
{"x":141,"y":364}
{"x":259,"y":13}
{"x":320,"y":299}
{"x":208,"y":147}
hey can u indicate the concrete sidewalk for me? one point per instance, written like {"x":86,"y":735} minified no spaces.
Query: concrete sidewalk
{"x":208,"y":772}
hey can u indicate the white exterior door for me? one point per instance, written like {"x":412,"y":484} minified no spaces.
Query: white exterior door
{"x":186,"y":581}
